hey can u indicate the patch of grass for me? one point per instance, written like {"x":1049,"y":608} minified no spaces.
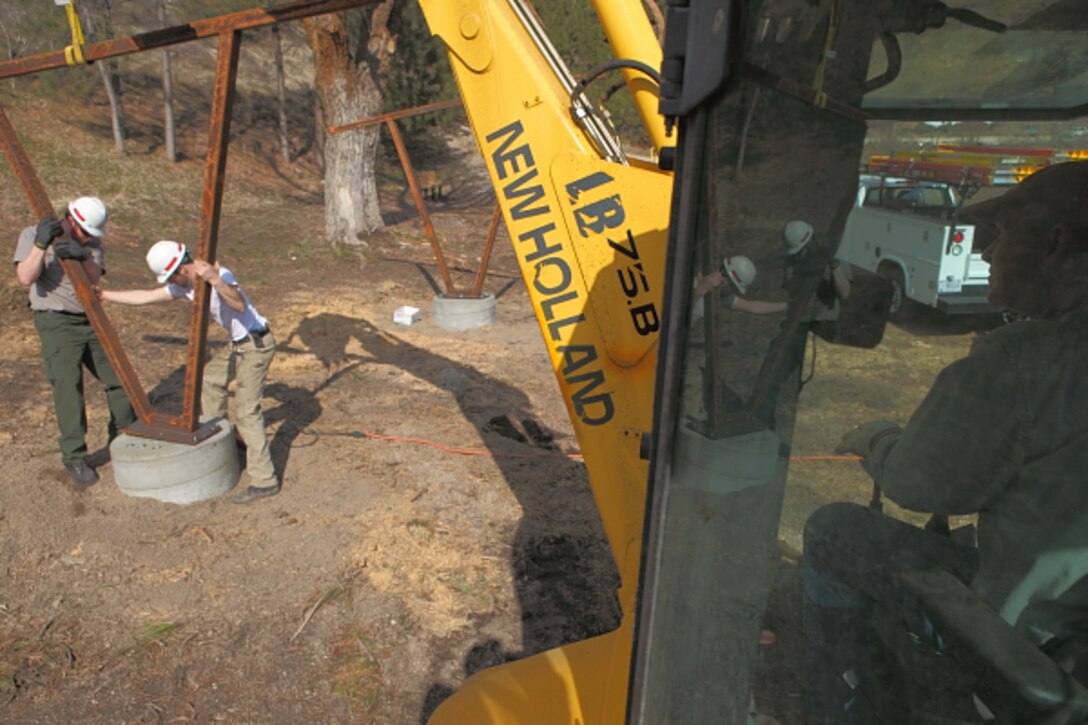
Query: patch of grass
{"x":419,"y":524}
{"x":155,"y":632}
{"x":356,"y":672}
{"x":316,"y":248}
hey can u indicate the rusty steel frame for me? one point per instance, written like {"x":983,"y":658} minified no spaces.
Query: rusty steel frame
{"x":196,"y":30}
{"x":390,"y":121}
{"x":228,"y":28}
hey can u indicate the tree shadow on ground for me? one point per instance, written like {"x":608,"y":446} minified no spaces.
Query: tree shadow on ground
{"x":563,"y":574}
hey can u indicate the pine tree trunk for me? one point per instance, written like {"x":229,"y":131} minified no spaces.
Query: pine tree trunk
{"x":168,"y":132}
{"x":107,"y":70}
{"x":350,"y":82}
{"x":281,"y":90}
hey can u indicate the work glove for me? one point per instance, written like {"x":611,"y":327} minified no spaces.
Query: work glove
{"x":69,"y":248}
{"x":48,"y":229}
{"x":861,"y":440}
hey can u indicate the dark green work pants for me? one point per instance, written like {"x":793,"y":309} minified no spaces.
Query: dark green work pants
{"x":69,"y":343}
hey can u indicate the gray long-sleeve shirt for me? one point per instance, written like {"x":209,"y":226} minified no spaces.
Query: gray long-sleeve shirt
{"x":1004,"y":433}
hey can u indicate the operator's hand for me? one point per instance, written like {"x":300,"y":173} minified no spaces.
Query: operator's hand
{"x":49,"y":228}
{"x":68,"y":248}
{"x":860,"y":440}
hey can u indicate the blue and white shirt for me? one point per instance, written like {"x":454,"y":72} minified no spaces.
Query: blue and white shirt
{"x":238,"y":324}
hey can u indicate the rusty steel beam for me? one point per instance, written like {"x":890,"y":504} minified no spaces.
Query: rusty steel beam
{"x":196,"y":30}
{"x":485,"y":256}
{"x":413,"y":187}
{"x":390,"y":120}
{"x":394,"y":115}
{"x":39,"y":202}
{"x":211,"y":205}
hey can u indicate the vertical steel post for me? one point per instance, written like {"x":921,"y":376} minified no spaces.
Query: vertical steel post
{"x":413,"y":187}
{"x":211,"y":204}
{"x":485,"y":256}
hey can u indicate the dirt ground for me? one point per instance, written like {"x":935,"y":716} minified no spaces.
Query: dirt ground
{"x":388,"y":567}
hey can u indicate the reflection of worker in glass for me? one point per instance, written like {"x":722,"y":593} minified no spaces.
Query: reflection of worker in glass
{"x":1002,"y":433}
{"x":736,"y":274}
{"x":805,"y":260}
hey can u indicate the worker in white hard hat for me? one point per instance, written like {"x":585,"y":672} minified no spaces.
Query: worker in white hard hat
{"x":69,"y":342}
{"x":245,"y":360}
{"x":806,"y":260}
{"x":736,"y":274}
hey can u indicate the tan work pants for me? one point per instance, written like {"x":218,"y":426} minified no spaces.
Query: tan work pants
{"x":247,"y":364}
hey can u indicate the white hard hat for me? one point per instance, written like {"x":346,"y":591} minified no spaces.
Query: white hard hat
{"x":797,"y":234}
{"x":165,"y":257}
{"x":740,"y":271}
{"x":90,"y":213}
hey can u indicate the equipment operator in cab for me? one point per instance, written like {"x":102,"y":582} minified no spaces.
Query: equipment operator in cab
{"x":1002,"y":433}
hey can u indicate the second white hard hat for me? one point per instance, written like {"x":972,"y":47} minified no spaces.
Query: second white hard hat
{"x":740,"y":270}
{"x":797,"y":235}
{"x":164,"y":258}
{"x":90,"y":213}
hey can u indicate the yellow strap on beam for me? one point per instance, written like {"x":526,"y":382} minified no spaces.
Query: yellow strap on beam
{"x":73,"y":54}
{"x":819,"y":96}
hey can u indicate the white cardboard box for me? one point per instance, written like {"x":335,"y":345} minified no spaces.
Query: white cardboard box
{"x":406,"y":315}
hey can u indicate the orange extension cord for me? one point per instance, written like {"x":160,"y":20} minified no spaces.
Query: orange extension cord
{"x":565,"y":456}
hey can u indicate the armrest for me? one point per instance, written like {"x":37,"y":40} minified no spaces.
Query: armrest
{"x":1009,"y":665}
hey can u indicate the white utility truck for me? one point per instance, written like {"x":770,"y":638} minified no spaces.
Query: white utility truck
{"x":903,"y":230}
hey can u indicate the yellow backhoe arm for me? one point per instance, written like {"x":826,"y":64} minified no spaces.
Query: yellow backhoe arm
{"x":589,"y":231}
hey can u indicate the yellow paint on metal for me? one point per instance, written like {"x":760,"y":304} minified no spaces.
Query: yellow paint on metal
{"x":579,"y":684}
{"x":590,"y":238}
{"x":631,"y":36}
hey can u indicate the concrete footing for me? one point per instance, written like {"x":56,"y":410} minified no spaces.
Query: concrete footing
{"x":176,"y":472}
{"x":464,"y":313}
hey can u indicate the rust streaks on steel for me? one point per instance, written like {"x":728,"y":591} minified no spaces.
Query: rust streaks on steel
{"x":197,"y":29}
{"x":39,"y":202}
{"x":211,"y":204}
{"x":413,"y":187}
{"x":394,"y":115}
